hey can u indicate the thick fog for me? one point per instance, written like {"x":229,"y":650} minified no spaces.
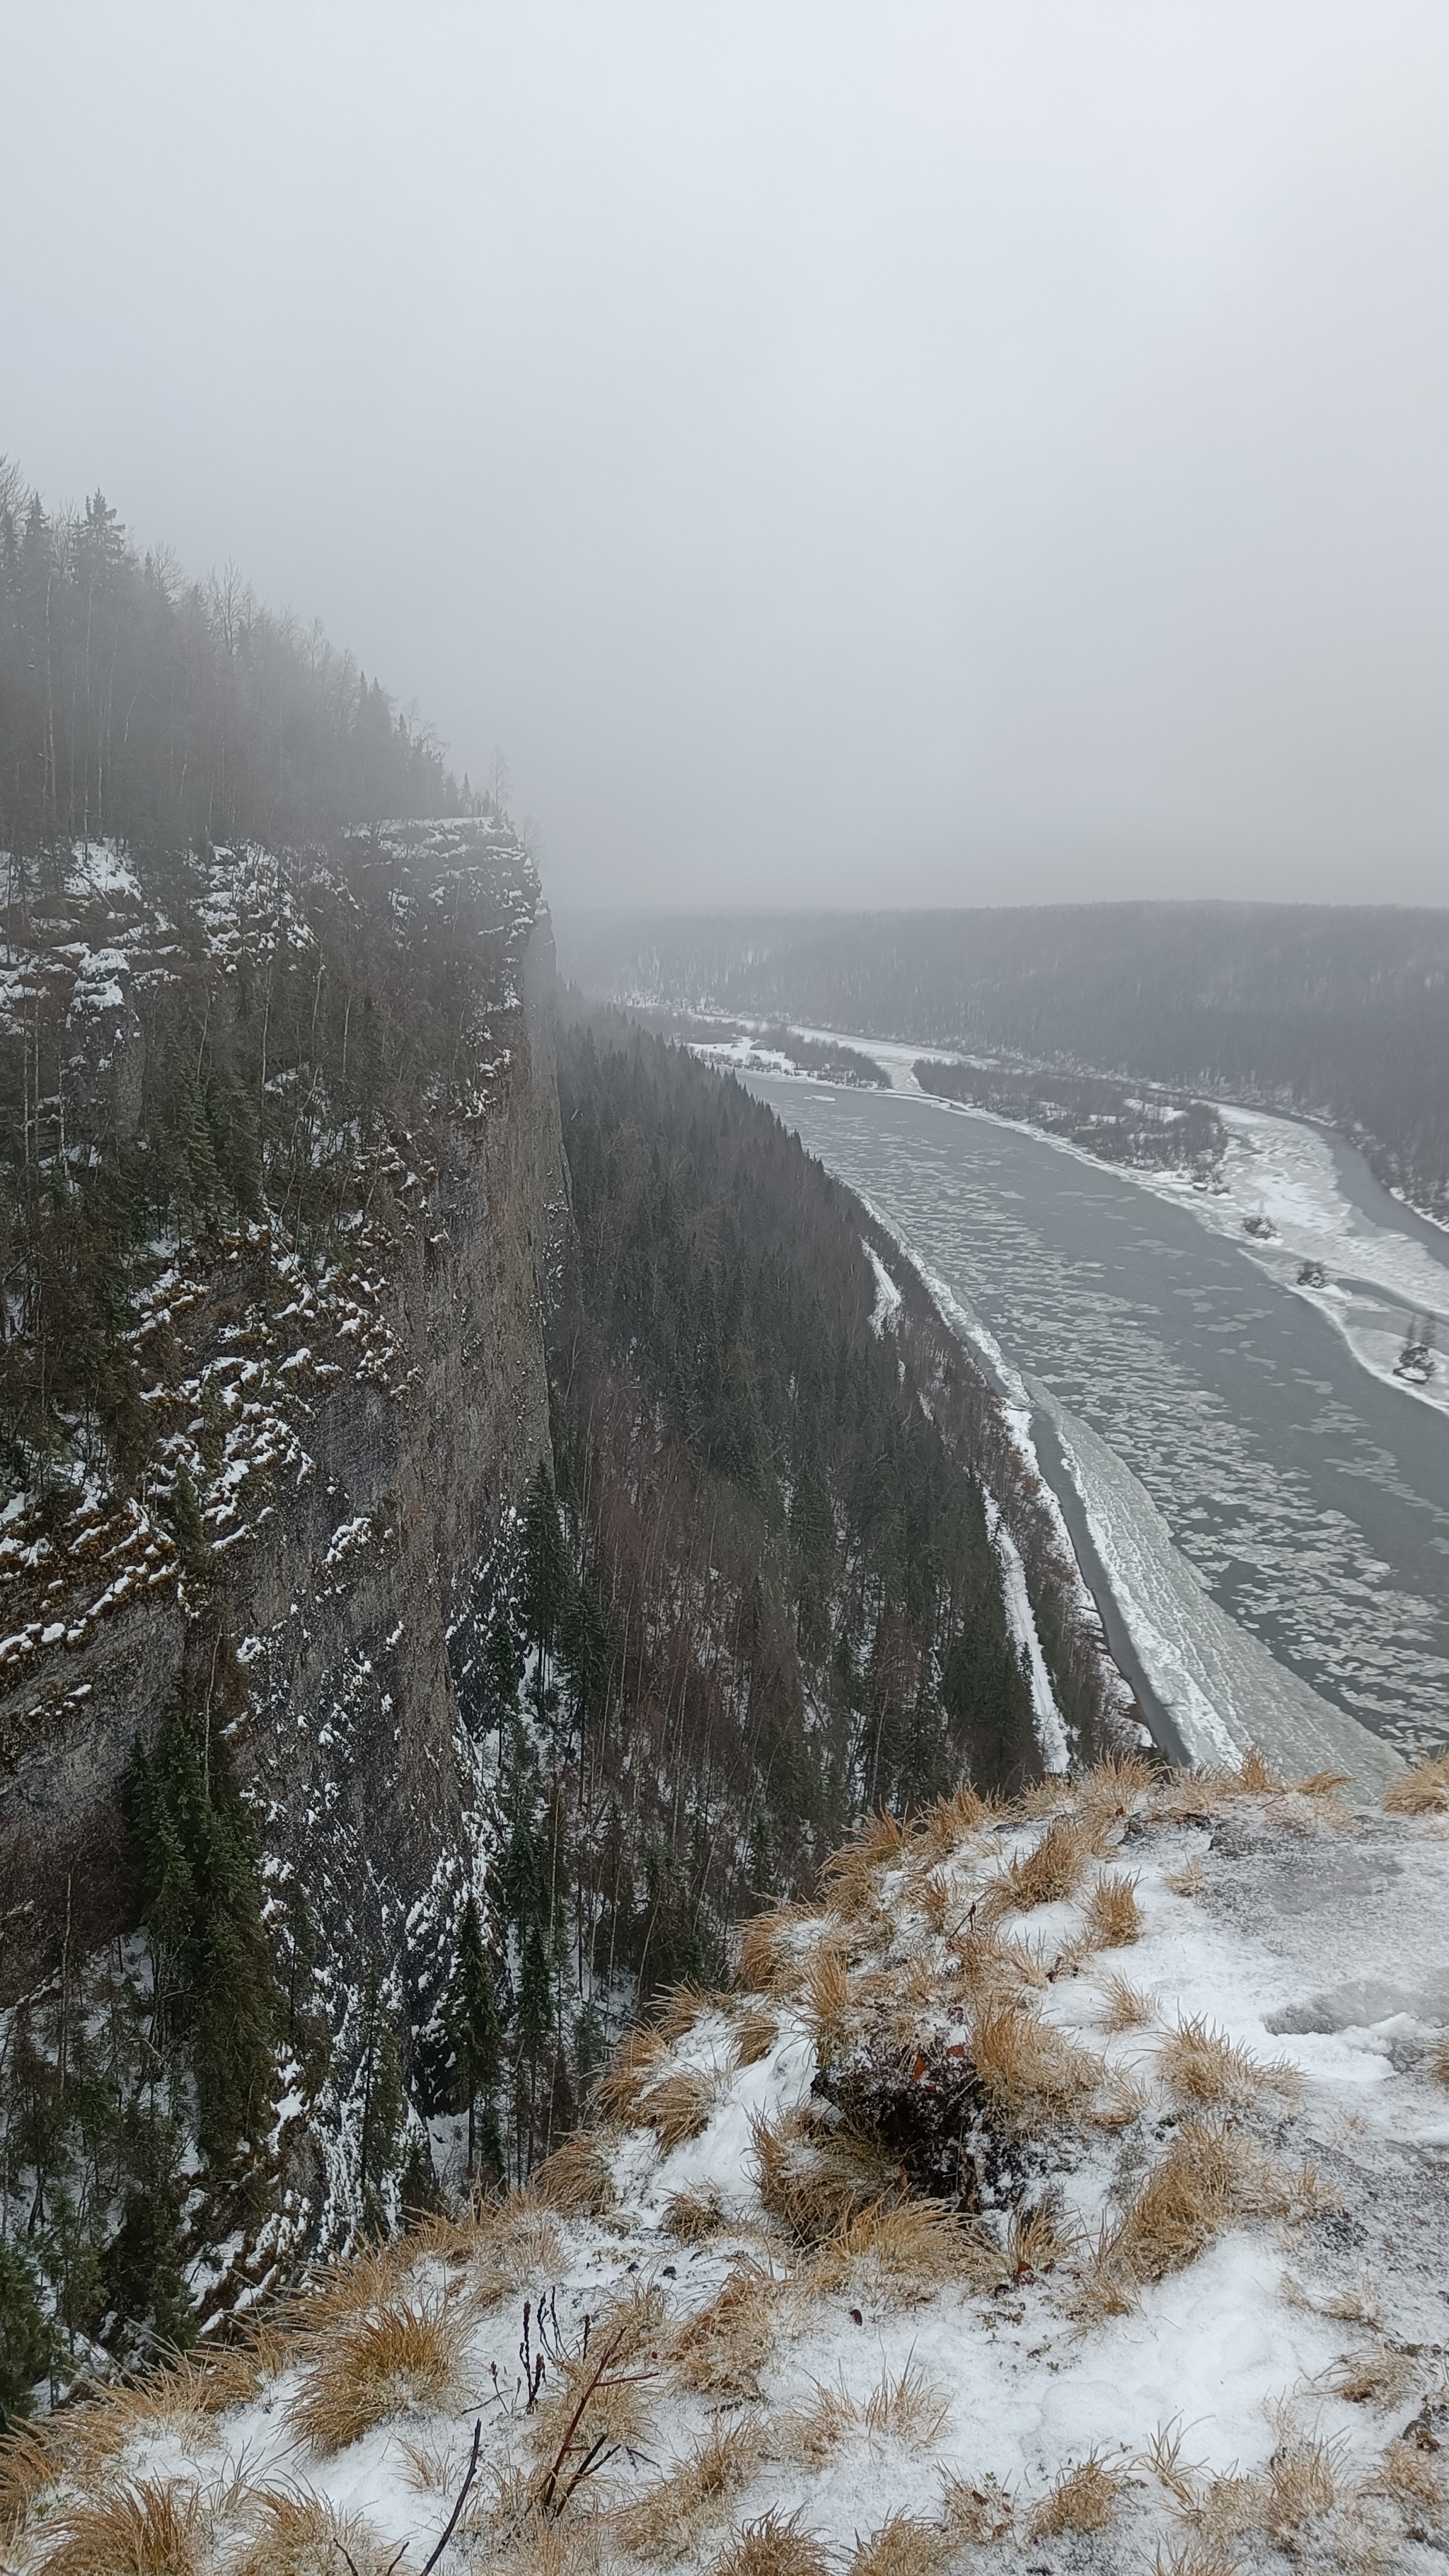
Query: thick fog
{"x":837,"y":453}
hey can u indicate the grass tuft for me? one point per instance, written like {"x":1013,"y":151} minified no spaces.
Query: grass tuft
{"x":398,"y":2361}
{"x":907,"y":2409}
{"x":301,"y":2534}
{"x":754,"y":2034}
{"x":678,"y":2109}
{"x":903,"y":2546}
{"x":634,"y":2066}
{"x":665,"y":2523}
{"x":1424,"y":1791}
{"x":694,"y":2216}
{"x":1114,"y":1917}
{"x":978,"y":2510}
{"x":774,"y":2546}
{"x":1201,"y":2066}
{"x":150,"y":2527}
{"x":1032,"y":2071}
{"x":769,"y":1959}
{"x":1125,"y":2006}
{"x":1046,"y":1875}
{"x":1207,"y":2179}
{"x":1439,"y":2062}
{"x":825,"y":2002}
{"x":721,"y":2350}
{"x":1081,"y":2499}
{"x":575,"y":2180}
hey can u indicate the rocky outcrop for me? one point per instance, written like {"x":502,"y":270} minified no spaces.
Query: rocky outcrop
{"x":341,"y":1441}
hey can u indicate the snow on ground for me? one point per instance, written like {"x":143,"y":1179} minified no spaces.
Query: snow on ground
{"x":1064,"y":2374}
{"x":1280,"y":1179}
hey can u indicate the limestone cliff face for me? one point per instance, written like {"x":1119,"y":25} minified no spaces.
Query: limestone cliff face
{"x":356,"y":1431}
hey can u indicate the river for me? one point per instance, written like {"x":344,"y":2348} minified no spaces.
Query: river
{"x":1272,"y":1516}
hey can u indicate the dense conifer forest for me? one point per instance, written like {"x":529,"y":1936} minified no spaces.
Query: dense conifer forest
{"x":1334,"y":1012}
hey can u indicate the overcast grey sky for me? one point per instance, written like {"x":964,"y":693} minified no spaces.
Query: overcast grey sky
{"x":839,"y":452}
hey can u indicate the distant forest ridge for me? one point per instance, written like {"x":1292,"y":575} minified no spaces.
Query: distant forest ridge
{"x":142,"y":706}
{"x":1325,"y":1011}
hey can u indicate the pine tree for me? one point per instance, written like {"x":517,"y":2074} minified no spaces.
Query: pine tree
{"x":472,"y":2032}
{"x":196,"y":1860}
{"x":383,"y":2104}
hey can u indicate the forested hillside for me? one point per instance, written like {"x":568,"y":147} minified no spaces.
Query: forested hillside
{"x":137,"y":703}
{"x":456,"y":1558}
{"x":1337,"y":1013}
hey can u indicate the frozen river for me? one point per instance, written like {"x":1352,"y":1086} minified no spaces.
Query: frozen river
{"x":1270,"y":1508}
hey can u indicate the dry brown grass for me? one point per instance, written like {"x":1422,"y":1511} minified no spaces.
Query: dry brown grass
{"x":1125,"y":2006}
{"x":825,"y":2001}
{"x":1424,"y":1791}
{"x":694,"y":2216}
{"x":515,"y":2246}
{"x":634,"y":2066}
{"x":300,"y":2534}
{"x":1190,"y":1880}
{"x":905,"y":2249}
{"x":812,"y":2184}
{"x":754,"y":2033}
{"x":1414,"y":2477}
{"x":665,"y":2523}
{"x":771,"y":1958}
{"x":1081,"y":2499}
{"x":678,"y":2109}
{"x":810,"y":2435}
{"x":978,"y":2510}
{"x":720,"y":2351}
{"x":1380,"y":2376}
{"x":369,"y":2280}
{"x":1112,"y":1788}
{"x":146,"y":2527}
{"x":602,"y":2393}
{"x":1302,"y":2488}
{"x":907,"y":2409}
{"x":1201,"y":2066}
{"x":1207,"y":2179}
{"x":1439,"y":2062}
{"x":678,"y":2009}
{"x":1033,"y":2072}
{"x":399,"y":2360}
{"x":32,"y":2457}
{"x":1256,"y":1776}
{"x":776,"y":2545}
{"x":953,"y":1821}
{"x":903,"y":2546}
{"x":575,"y":2180}
{"x":1035,"y":2239}
{"x":1114,"y":1917}
{"x":1046,"y":1875}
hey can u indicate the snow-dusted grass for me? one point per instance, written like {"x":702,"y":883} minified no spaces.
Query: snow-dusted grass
{"x":945,"y":2245}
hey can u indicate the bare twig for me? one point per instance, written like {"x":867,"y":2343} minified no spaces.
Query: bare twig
{"x":452,"y":2524}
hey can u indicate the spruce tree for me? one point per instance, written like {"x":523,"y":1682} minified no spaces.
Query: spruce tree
{"x":471,"y":2030}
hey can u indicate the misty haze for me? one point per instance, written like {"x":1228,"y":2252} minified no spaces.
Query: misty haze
{"x":724,"y":1289}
